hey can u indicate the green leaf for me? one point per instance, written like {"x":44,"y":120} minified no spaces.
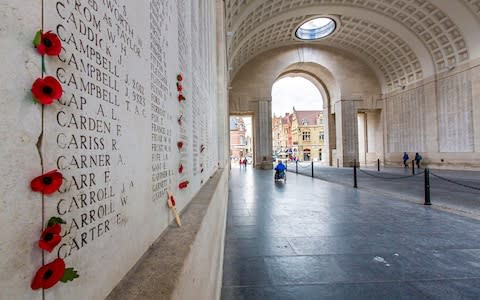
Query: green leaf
{"x":55,"y":220}
{"x":69,"y":275}
{"x":38,"y":38}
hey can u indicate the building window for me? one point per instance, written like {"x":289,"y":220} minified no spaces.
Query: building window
{"x":304,"y":122}
{"x":306,"y":136}
{"x":322,"y":136}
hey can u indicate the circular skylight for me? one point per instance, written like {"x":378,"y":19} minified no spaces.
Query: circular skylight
{"x":316,"y":29}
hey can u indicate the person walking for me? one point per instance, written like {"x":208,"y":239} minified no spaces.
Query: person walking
{"x":418,"y":158}
{"x":405,"y":159}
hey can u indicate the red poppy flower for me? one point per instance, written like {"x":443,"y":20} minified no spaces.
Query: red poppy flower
{"x":50,"y":237}
{"x":47,"y":90}
{"x":180,"y":169}
{"x":48,"y":275}
{"x":47,"y":183}
{"x":49,"y":44}
{"x":179,"y":87}
{"x":181,"y":98}
{"x":183,"y":184}
{"x":179,"y":77}
{"x":173,"y":201}
{"x":180,"y":145}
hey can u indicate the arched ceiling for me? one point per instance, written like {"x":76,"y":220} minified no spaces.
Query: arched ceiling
{"x":402,"y":40}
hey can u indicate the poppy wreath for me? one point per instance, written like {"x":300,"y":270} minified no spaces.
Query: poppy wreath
{"x":179,"y":87}
{"x":180,"y":169}
{"x":51,"y":237}
{"x":181,"y":98}
{"x":47,"y":43}
{"x":50,"y":274}
{"x":47,"y":183}
{"x":182,"y":185}
{"x":46,"y":90}
{"x":179,"y":77}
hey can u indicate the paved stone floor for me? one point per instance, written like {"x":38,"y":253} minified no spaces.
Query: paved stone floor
{"x":310,"y":239}
{"x":399,"y":183}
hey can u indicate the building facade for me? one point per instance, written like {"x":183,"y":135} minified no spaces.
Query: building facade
{"x":299,"y":135}
{"x":238,"y":138}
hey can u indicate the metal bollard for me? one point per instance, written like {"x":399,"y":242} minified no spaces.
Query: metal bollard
{"x":427,"y":187}
{"x":312,"y":168}
{"x":378,"y":164}
{"x":296,"y":166}
{"x":413,"y":167}
{"x":354,"y":173}
{"x":338,"y":163}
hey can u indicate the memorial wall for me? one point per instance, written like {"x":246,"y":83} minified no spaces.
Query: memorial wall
{"x":136,"y":120}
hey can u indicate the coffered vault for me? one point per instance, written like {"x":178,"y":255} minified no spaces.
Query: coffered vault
{"x":403,"y":41}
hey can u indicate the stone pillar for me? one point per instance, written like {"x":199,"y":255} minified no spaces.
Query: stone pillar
{"x":374,"y":137}
{"x":476,"y":107}
{"x":346,"y":132}
{"x":362,"y":138}
{"x":263,"y":130}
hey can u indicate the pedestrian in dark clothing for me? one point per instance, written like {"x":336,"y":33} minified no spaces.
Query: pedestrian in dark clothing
{"x":418,"y":158}
{"x":405,"y":159}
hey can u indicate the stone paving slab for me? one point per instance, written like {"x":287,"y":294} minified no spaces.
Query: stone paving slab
{"x":311,"y":239}
{"x":390,"y":182}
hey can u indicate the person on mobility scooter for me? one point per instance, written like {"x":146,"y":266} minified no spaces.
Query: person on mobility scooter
{"x":280,"y":172}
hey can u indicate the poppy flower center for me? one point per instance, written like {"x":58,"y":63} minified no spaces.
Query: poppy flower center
{"x":47,"y":90}
{"x":48,"y":237}
{"x":47,"y":180}
{"x":47,"y":42}
{"x":48,"y":274}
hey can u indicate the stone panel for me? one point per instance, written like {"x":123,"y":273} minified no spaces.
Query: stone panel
{"x":405,"y":121}
{"x":20,"y":130}
{"x":113,"y":134}
{"x":455,"y":113}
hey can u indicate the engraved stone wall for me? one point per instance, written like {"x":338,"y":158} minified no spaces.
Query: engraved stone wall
{"x":455,"y":113}
{"x":405,"y":121}
{"x":113,"y":134}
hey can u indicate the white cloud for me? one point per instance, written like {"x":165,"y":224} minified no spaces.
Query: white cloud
{"x":295,"y":91}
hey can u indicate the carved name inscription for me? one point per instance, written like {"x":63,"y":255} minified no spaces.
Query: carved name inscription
{"x":94,"y":120}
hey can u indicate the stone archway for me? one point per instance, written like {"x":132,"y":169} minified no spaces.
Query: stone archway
{"x":314,"y":74}
{"x":348,"y":83}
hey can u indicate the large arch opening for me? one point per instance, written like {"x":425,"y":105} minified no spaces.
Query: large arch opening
{"x":298,"y":132}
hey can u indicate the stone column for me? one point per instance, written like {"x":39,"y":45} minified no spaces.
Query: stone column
{"x":263,"y":130}
{"x":346,"y":132}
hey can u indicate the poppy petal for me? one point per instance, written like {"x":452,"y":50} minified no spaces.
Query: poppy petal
{"x":49,"y":274}
{"x":41,"y":49}
{"x":47,"y":183}
{"x":48,"y":246}
{"x":56,"y":87}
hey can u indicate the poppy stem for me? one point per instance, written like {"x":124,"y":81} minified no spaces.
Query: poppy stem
{"x":44,"y":70}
